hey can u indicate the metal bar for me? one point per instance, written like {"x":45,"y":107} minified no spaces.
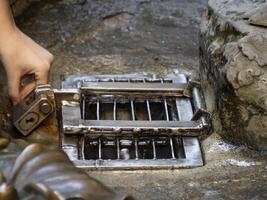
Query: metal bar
{"x":132,"y":109}
{"x":148,"y":110}
{"x":154,"y":149}
{"x":66,"y":95}
{"x":76,"y":126}
{"x":118,"y":149}
{"x":148,"y":106}
{"x":115,"y":110}
{"x":200,"y":106}
{"x":98,"y":109}
{"x":198,"y":98}
{"x":183,"y":104}
{"x":172,"y":149}
{"x":81,"y":145}
{"x":136,"y":149}
{"x":133,"y":88}
{"x":165,"y":104}
{"x":132,"y":105}
{"x":114,"y":105}
{"x":99,"y":149}
{"x":83,"y":109}
{"x":166,"y":110}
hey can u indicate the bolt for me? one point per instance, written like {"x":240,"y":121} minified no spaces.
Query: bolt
{"x":45,"y":108}
{"x":125,"y":154}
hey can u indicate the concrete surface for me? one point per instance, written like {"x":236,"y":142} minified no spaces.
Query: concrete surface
{"x":117,"y":36}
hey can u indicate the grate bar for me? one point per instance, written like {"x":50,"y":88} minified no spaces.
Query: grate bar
{"x":115,"y":110}
{"x":148,"y":106}
{"x":98,"y":110}
{"x":83,"y":108}
{"x":136,"y":149}
{"x":82,"y":149}
{"x":172,"y":149}
{"x":165,"y":104}
{"x":154,"y":149}
{"x":99,"y":149}
{"x":118,"y":149}
{"x":186,"y":128}
{"x":166,"y":89}
{"x":132,"y":109}
{"x":148,"y":110}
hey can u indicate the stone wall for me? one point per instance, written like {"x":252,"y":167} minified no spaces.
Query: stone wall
{"x":233,"y":68}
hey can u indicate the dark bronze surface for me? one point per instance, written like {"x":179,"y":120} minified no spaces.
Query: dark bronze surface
{"x":42,"y":173}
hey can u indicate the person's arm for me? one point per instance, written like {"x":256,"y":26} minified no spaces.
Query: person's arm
{"x":20,"y":55}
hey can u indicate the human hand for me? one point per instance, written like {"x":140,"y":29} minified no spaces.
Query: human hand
{"x":21,"y":56}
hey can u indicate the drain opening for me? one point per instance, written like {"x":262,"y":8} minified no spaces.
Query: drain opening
{"x":140,"y":110}
{"x":121,"y":149}
{"x":133,"y":122}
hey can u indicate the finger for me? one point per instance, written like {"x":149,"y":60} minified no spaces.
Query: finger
{"x":13,"y":87}
{"x":27,"y":89}
{"x":42,"y":77}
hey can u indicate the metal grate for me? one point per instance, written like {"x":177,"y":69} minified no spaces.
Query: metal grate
{"x":134,"y":121}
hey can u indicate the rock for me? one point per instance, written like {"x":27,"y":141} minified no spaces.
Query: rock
{"x":233,"y":65}
{"x":254,"y":46}
{"x":257,"y":16}
{"x":18,"y":6}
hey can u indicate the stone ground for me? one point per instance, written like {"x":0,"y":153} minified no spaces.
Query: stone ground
{"x":117,"y":36}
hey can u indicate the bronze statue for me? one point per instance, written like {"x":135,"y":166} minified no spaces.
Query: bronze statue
{"x":42,"y":173}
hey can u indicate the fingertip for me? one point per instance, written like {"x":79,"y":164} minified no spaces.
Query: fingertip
{"x":15,"y":99}
{"x":14,"y":92}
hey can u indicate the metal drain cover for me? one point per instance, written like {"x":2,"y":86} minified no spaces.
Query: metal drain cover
{"x":134,"y":121}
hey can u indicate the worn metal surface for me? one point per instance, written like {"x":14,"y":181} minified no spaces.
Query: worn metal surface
{"x":34,"y":109}
{"x":39,"y":173}
{"x":139,"y":118}
{"x":133,"y":122}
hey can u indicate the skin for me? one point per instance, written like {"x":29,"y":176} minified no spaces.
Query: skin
{"x":21,"y":56}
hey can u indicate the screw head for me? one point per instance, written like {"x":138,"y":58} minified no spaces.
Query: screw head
{"x":45,"y":108}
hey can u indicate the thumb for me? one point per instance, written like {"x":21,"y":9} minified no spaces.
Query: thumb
{"x":13,"y":87}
